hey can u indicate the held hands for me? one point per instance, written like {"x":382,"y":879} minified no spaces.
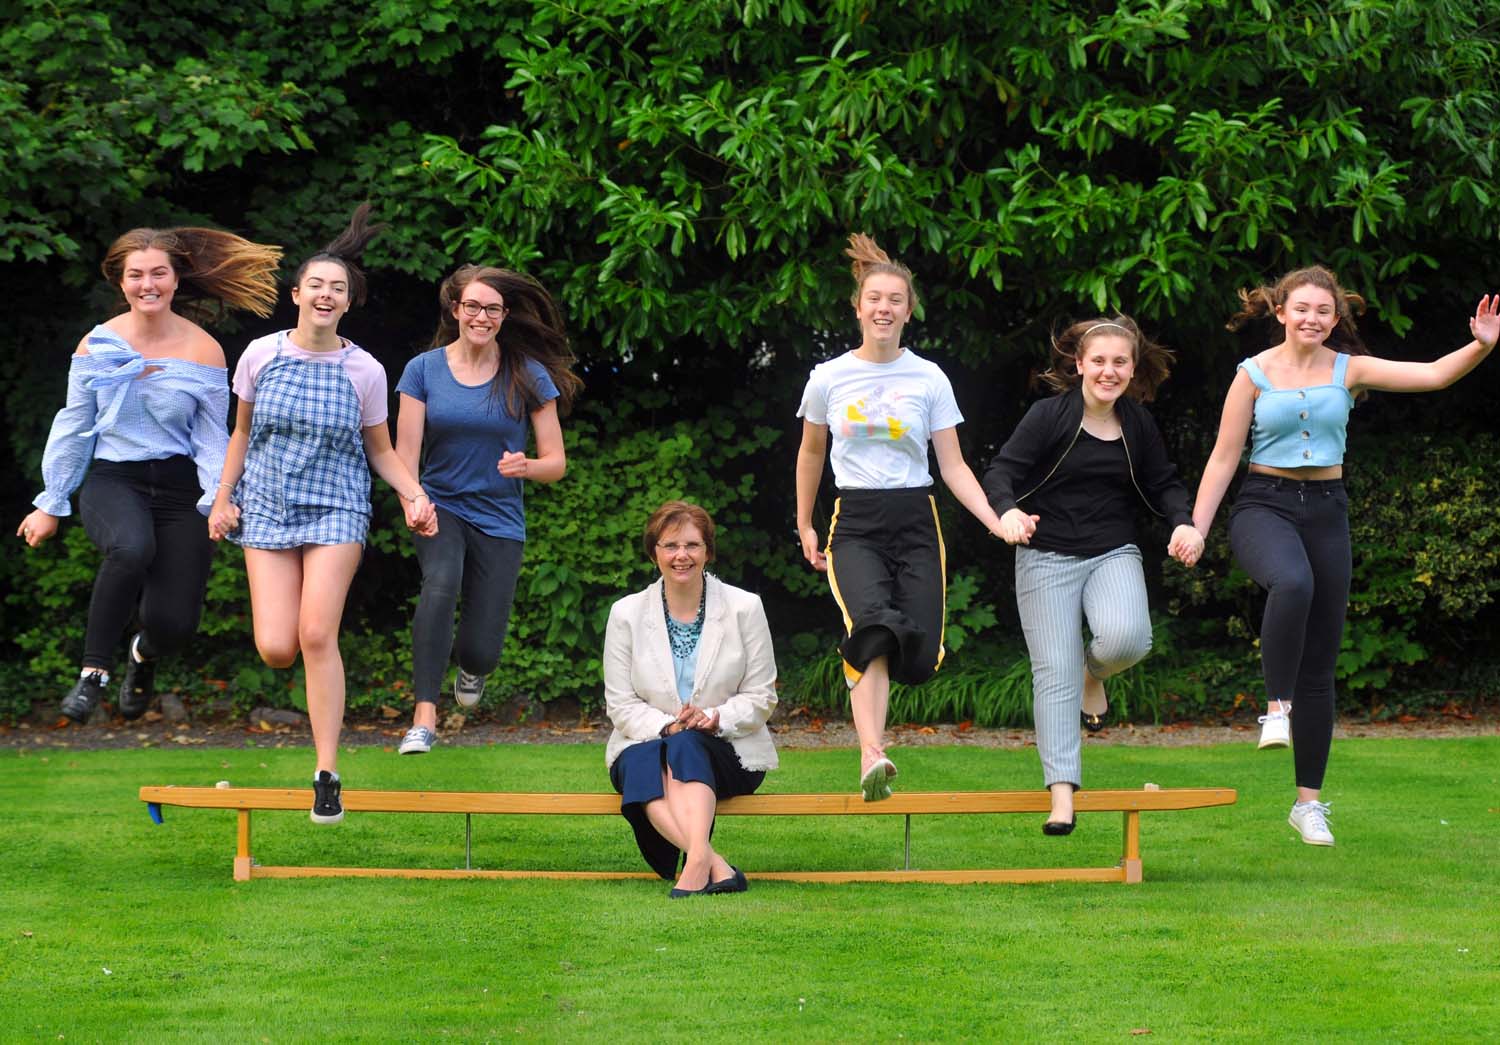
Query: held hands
{"x":37,"y":527}
{"x":513,"y":465}
{"x":691,"y":717}
{"x":421,"y":516}
{"x":1016,"y":527}
{"x":1186,"y":545}
{"x":223,"y":518}
{"x":810,"y":550}
{"x":1485,"y":326}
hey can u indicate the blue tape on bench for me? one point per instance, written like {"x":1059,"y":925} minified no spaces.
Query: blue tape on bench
{"x":154,"y":808}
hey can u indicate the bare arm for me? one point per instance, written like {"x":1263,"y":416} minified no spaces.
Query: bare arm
{"x":224,"y":516}
{"x":385,"y":462}
{"x":810,"y":457}
{"x":1390,"y":375}
{"x":551,"y":460}
{"x":1224,"y":460}
{"x":411,"y":425}
{"x":959,"y":478}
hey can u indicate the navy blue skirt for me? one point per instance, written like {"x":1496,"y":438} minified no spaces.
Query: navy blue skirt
{"x":695,"y":757}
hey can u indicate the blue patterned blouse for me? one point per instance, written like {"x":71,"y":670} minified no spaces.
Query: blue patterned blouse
{"x":124,"y":407}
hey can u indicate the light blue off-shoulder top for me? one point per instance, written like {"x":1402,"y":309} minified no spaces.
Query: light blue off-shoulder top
{"x":124,"y":407}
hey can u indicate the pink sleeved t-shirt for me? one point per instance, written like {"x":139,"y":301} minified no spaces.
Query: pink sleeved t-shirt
{"x":364,"y":370}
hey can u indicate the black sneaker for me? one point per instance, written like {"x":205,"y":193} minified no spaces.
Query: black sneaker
{"x":327,"y":807}
{"x":84,"y":697}
{"x":139,"y":685}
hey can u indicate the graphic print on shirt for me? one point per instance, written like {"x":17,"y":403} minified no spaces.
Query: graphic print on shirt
{"x":874,"y":416}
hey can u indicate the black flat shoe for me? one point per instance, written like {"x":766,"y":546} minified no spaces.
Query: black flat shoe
{"x":678,"y":894}
{"x":735,"y":883}
{"x":1060,"y":827}
{"x":1093,"y":723}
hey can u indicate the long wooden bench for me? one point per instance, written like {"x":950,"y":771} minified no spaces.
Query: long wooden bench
{"x":245,"y":800}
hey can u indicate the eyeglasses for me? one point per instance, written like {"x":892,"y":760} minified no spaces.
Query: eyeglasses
{"x":473,"y":308}
{"x":691,"y":547}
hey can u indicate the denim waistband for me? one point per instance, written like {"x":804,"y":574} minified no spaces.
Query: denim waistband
{"x":1278,"y":482}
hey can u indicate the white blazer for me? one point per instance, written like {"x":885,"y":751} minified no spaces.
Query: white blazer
{"x":736,"y":673}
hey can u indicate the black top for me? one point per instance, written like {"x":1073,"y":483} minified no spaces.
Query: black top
{"x":1088,"y":506}
{"x":1029,"y":461}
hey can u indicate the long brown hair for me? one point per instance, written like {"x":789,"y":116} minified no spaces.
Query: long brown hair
{"x":533,"y":329}
{"x":1153,"y":362}
{"x":869,"y":260}
{"x":217,"y":271}
{"x":1262,"y":303}
{"x":346,"y":249}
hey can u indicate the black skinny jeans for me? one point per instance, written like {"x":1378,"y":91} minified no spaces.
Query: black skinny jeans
{"x":143,"y":517}
{"x":461,"y":561}
{"x":1292,"y":538}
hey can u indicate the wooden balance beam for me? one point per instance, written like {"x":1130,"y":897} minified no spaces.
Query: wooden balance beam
{"x":245,"y":800}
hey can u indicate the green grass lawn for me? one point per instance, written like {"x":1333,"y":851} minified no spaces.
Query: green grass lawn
{"x":116,"y":929}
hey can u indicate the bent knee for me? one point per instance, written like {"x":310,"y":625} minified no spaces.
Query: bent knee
{"x":1112,"y":654}
{"x":277,"y":654}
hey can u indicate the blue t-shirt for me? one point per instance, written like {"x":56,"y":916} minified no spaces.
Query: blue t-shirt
{"x":467,"y":429}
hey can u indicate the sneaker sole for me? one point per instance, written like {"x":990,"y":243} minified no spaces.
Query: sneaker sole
{"x":315,"y":818}
{"x":413,"y":749}
{"x":874,"y":784}
{"x":1305,"y":839}
{"x":1272,"y":743}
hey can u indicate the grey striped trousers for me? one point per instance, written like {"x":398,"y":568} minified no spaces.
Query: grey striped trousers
{"x":1055,"y":594}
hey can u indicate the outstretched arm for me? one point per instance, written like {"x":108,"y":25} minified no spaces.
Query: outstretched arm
{"x":959,"y":478}
{"x":1390,"y":375}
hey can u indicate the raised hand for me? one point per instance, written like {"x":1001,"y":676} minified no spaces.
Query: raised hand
{"x":1485,"y":326}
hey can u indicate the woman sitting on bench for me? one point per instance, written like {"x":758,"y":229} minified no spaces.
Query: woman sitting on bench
{"x":689,"y":681}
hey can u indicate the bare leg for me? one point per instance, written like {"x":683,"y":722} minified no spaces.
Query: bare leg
{"x":1062,"y":803}
{"x":275,"y":602}
{"x":692,"y":805}
{"x":426,"y":715}
{"x":327,"y":573}
{"x":870,"y":700}
{"x":1095,"y":702}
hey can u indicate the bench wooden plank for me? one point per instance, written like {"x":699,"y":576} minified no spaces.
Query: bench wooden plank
{"x":578,"y":803}
{"x":959,"y":877}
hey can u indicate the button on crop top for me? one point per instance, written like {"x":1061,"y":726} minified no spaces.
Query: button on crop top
{"x":1299,"y":427}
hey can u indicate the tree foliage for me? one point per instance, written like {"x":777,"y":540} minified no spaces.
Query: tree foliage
{"x":682,"y":173}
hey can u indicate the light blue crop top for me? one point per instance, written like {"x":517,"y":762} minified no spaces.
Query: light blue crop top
{"x":124,"y":407}
{"x":1299,"y":427}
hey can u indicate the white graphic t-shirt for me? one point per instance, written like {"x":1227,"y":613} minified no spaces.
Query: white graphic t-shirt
{"x":880,"y":417}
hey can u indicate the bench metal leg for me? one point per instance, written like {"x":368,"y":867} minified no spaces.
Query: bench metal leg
{"x":908,"y":842}
{"x":153,"y":809}
{"x":242,"y":848}
{"x":468,"y":841}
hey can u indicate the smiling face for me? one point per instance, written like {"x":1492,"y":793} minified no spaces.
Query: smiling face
{"x":681,"y":555}
{"x":1106,"y":363}
{"x":883,"y":308}
{"x":481,"y":329}
{"x":1309,"y":315}
{"x":148,"y":281}
{"x":322,"y":295}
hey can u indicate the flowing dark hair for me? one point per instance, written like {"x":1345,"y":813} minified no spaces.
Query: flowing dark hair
{"x":216,"y":271}
{"x":346,"y":249}
{"x":869,"y":260}
{"x":533,"y":329}
{"x":1153,"y":362}
{"x":1262,"y":303}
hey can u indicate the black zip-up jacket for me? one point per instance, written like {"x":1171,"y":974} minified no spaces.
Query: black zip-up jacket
{"x":1047,"y":433}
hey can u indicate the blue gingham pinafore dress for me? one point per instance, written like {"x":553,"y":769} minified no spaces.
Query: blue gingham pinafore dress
{"x":306,"y":479}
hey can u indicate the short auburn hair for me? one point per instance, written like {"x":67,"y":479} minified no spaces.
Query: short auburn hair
{"x":673,"y":514}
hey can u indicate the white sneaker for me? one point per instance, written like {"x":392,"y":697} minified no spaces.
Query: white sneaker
{"x":418,"y":741}
{"x":1311,"y":821}
{"x":1275,"y":730}
{"x":467,"y":689}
